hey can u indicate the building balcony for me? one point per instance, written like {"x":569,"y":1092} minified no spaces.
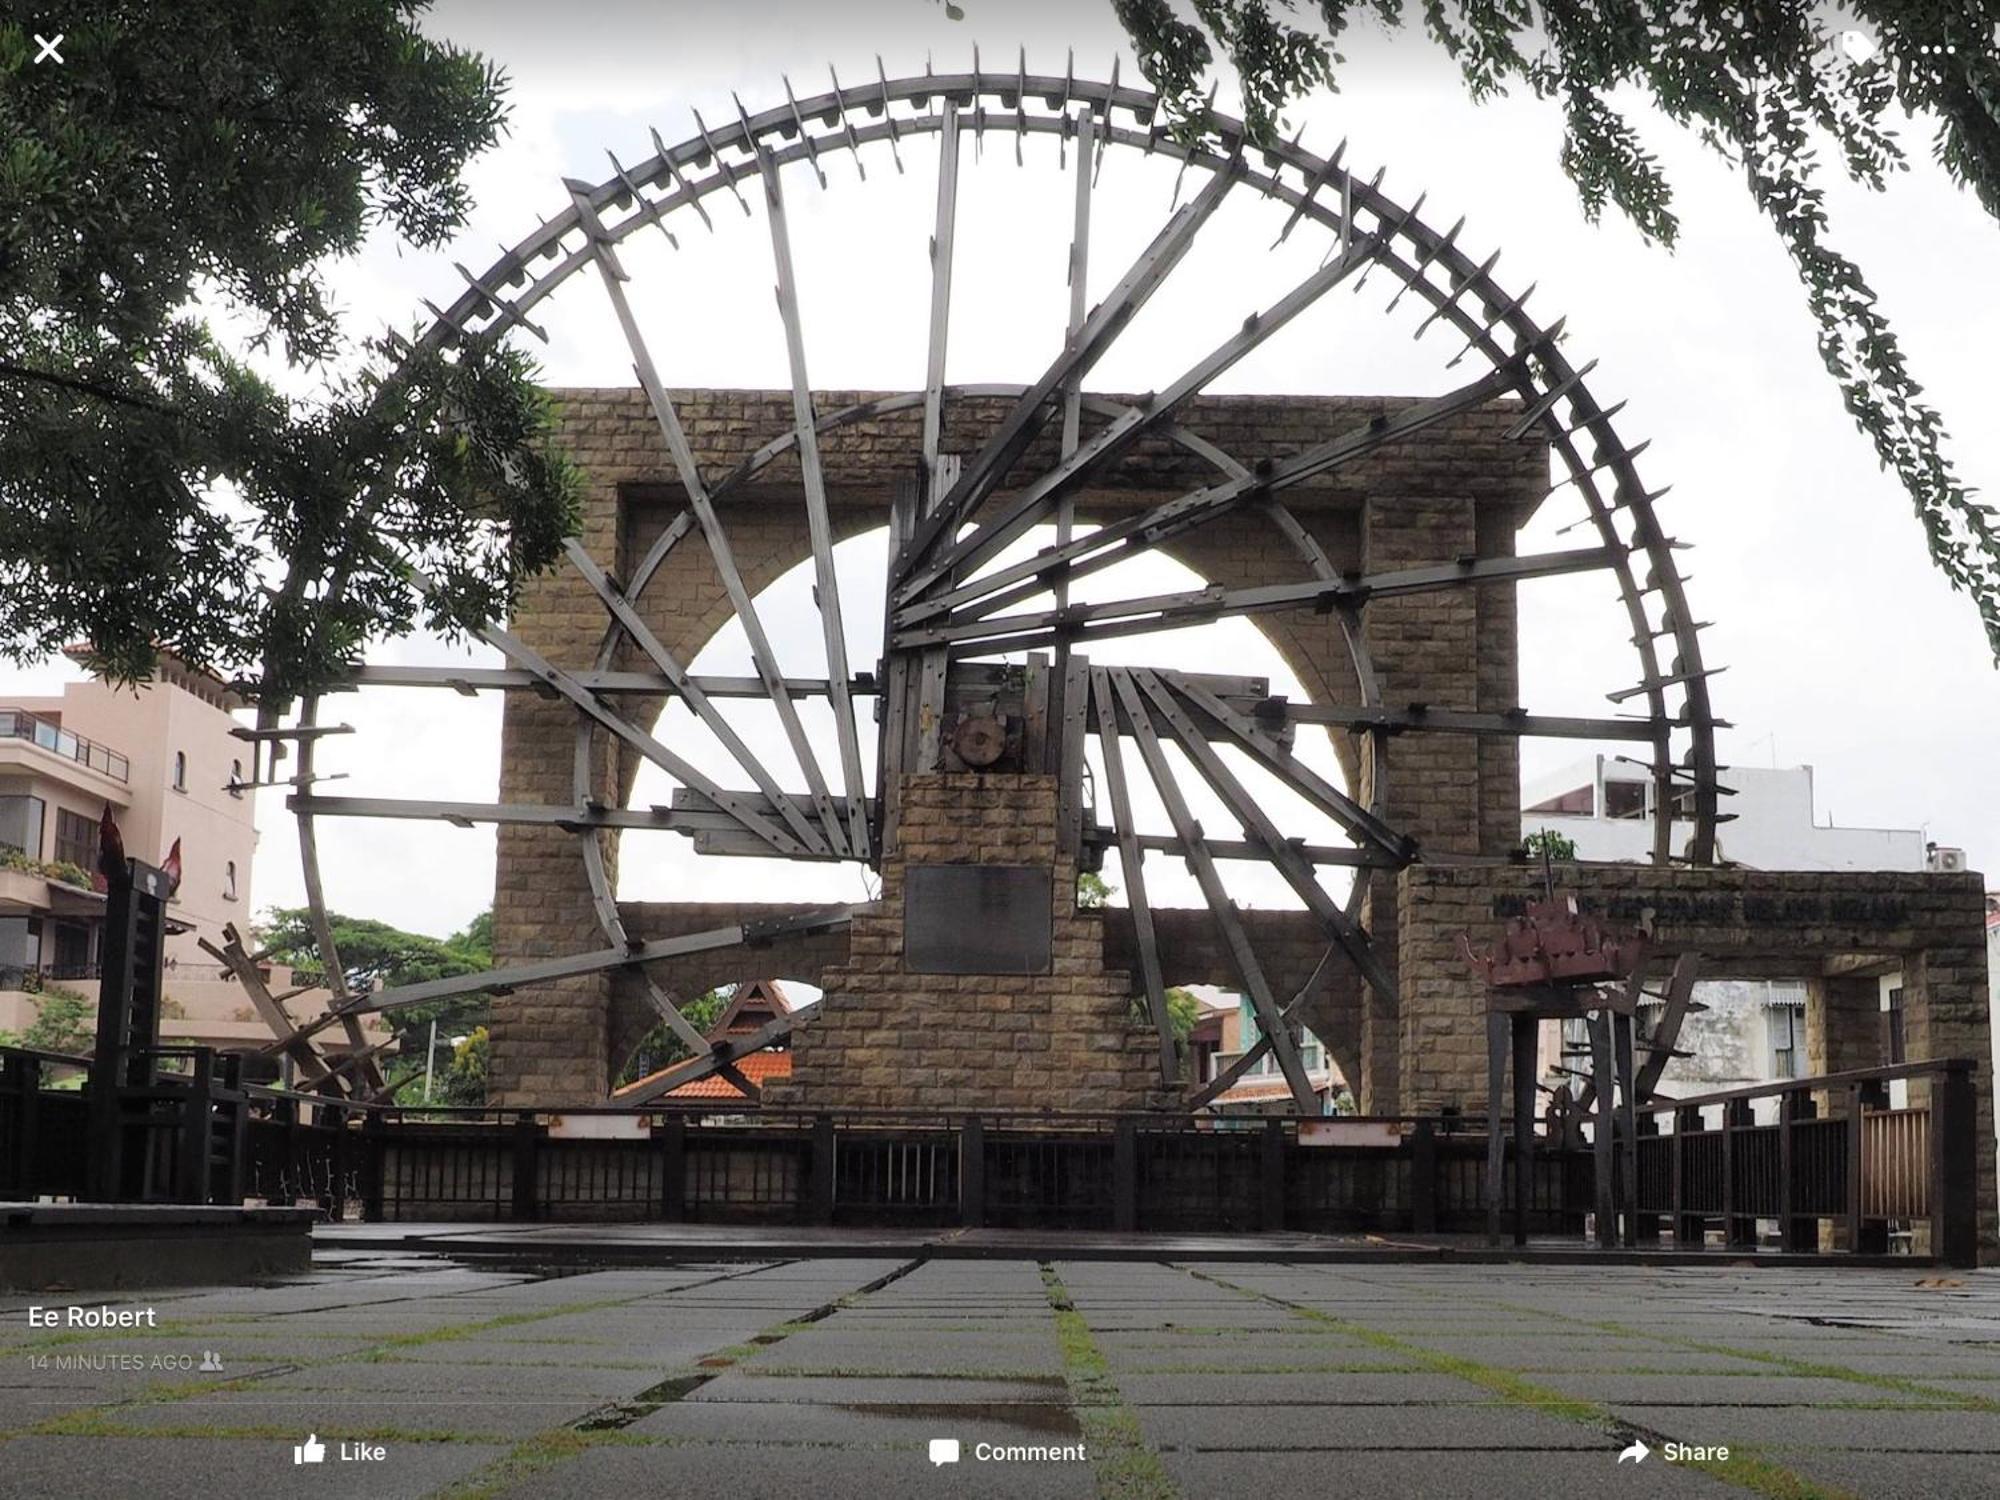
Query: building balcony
{"x":47,"y":734}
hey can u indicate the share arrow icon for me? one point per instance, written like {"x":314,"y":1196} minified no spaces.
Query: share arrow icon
{"x":1637,"y":1452}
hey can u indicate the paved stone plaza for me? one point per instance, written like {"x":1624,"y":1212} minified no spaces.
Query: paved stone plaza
{"x":829,"y":1378}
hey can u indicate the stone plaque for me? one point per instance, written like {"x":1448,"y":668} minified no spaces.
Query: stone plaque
{"x":977,"y":919}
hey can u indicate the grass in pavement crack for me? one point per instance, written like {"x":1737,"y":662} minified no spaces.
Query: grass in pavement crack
{"x":1745,"y":1471}
{"x":1124,"y":1464}
{"x":606,"y":1424}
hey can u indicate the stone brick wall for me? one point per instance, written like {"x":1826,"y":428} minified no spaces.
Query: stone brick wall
{"x":556,"y":1044}
{"x":1742,"y":922}
{"x":888,"y":1038}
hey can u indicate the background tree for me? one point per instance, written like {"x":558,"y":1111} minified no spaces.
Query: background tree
{"x":1559,"y":847}
{"x":662,"y":1047}
{"x":464,"y":1081}
{"x":65,"y":1021}
{"x":1093,"y":891}
{"x":171,"y":198}
{"x":1764,"y":86}
{"x":376,"y":955}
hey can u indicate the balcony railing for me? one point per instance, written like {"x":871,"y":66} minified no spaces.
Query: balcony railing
{"x":19,"y":724}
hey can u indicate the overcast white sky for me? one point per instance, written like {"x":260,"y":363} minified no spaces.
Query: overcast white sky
{"x":1845,"y":650}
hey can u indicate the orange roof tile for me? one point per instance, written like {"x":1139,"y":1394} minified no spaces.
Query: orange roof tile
{"x":758,"y":1067}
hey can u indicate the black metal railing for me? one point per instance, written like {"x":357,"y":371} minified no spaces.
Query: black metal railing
{"x":1830,"y":1164}
{"x":34,"y":978}
{"x":19,"y":724}
{"x":1811,"y":1164}
{"x":1415,"y":1175}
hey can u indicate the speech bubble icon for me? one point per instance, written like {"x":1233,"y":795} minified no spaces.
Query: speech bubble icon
{"x":944,"y":1450}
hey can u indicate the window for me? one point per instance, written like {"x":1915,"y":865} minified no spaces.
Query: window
{"x":20,"y":948}
{"x":76,"y":839}
{"x":229,"y":881}
{"x":236,"y":779}
{"x":1785,"y":1027}
{"x":180,"y":771}
{"x":1892,"y":1029}
{"x":1624,"y":799}
{"x":21,"y":824}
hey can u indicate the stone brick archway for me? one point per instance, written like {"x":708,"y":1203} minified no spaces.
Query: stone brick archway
{"x":1463,"y":493}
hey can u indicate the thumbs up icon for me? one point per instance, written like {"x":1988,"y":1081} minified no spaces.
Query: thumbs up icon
{"x":311,"y":1451}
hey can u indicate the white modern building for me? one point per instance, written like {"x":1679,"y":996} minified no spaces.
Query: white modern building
{"x":1605,"y":805}
{"x":1752,"y":1031}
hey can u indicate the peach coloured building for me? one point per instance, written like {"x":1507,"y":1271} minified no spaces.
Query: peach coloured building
{"x":164,"y":760}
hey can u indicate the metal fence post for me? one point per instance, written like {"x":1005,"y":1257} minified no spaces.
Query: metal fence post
{"x":823,"y":1148}
{"x":1687,"y":1225}
{"x":1645,"y":1227}
{"x":239,"y":1130}
{"x":527,"y":1167}
{"x":1423,"y":1178}
{"x":197,"y":1126}
{"x":1737,"y":1230}
{"x":673,"y":1169}
{"x":1125,"y":1176}
{"x":1798,"y":1232}
{"x":972,"y":1172}
{"x":374,"y":1148}
{"x":1955,"y":1148}
{"x":339,"y":1154}
{"x":1272,"y":1209}
{"x":21,"y":1077}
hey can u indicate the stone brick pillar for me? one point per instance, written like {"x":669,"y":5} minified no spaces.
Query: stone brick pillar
{"x":549,"y":1042}
{"x":1947,"y":1013}
{"x":887,"y":1037}
{"x":1843,"y":1024}
{"x":1427,"y":649}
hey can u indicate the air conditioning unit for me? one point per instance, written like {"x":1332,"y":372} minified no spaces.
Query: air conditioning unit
{"x":1947,"y":861}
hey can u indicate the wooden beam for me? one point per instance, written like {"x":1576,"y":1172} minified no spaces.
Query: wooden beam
{"x":1129,"y":536}
{"x":1297,"y":872}
{"x":713,"y":532}
{"x":980,"y":477}
{"x":819,"y":525}
{"x":1244,"y":956}
{"x":1033,"y":503}
{"x":690,"y":692}
{"x":1202,"y":606}
{"x":1132,"y":862}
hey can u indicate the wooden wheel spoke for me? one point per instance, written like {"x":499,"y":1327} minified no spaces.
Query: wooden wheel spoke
{"x":613,"y":277}
{"x":1355,"y":819}
{"x":1021,"y":425}
{"x":943,"y":239}
{"x":1202,"y":606}
{"x":1036,"y":501}
{"x":715,"y":1060}
{"x":833,"y":630}
{"x":593,"y":707}
{"x":1143,"y":532}
{"x":516,"y":976}
{"x":689,"y":691}
{"x":1285,"y":855}
{"x":1244,"y":957}
{"x":1230,"y":1076}
{"x":1131,"y":860}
